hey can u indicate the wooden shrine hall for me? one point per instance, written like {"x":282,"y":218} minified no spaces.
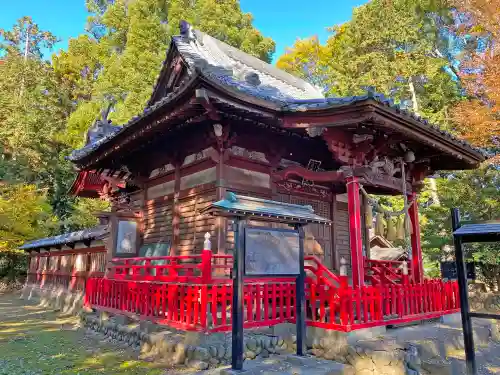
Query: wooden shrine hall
{"x":221,"y":121}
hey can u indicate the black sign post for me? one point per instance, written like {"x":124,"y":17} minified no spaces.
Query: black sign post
{"x":254,"y":262}
{"x":467,"y":233}
{"x":265,"y":252}
{"x":449,"y":270}
{"x":237,"y":308}
{"x":470,"y":356}
{"x":300,"y":295}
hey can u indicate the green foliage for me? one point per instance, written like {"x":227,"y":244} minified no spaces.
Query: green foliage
{"x":26,"y":39}
{"x":34,"y":107}
{"x":122,"y":59}
{"x":24,"y":214}
{"x":476,"y":194}
{"x":390,"y":45}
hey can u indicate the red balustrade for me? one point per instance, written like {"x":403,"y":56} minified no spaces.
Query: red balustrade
{"x":349,"y":308}
{"x":66,"y":269}
{"x":204,"y":268}
{"x":382,"y":272}
{"x":194,"y":293}
{"x":198,"y":307}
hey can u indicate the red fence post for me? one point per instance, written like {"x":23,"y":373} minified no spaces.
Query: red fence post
{"x":406,"y":279}
{"x":206,"y":260}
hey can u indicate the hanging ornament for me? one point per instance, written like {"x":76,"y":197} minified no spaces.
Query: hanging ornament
{"x":368,"y":216}
{"x":379,"y":225}
{"x":391,"y":229}
{"x":400,"y":228}
{"x":408,"y":227}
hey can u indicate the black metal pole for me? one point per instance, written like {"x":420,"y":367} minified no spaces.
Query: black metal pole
{"x":237,"y":308}
{"x":470,"y":356}
{"x":300,"y":296}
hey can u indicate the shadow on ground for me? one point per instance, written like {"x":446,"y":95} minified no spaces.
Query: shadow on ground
{"x":36,"y":340}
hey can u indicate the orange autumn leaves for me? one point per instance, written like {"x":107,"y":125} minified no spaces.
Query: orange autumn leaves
{"x":478,"y":117}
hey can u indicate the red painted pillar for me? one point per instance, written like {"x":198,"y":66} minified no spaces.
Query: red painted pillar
{"x":417,"y":268}
{"x":355,"y":238}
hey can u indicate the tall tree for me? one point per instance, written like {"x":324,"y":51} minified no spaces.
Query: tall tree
{"x":478,"y":114}
{"x":26,"y":38}
{"x":476,"y":194}
{"x":391,"y":45}
{"x":34,"y":107}
{"x":127,"y":44}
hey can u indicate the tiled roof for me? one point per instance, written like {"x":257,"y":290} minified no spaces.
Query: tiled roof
{"x":239,"y":205}
{"x":232,"y":68}
{"x":239,"y":70}
{"x":387,"y":253}
{"x":94,"y":233}
{"x":324,"y":103}
{"x":88,"y":148}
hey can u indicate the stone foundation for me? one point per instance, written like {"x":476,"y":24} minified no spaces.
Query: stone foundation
{"x":202,"y":351}
{"x":192,"y":349}
{"x":57,"y":298}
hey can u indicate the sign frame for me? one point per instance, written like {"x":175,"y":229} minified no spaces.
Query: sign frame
{"x":238,"y":276}
{"x":249,"y":229}
{"x":115,"y":225}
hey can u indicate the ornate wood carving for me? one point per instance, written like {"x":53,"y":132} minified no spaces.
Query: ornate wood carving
{"x":296,"y":187}
{"x":340,"y":145}
{"x":298,"y":171}
{"x":368,"y":175}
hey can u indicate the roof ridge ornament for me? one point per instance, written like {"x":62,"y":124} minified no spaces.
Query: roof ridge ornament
{"x":186,"y":30}
{"x":102,"y":126}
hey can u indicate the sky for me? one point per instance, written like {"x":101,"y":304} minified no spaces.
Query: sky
{"x":282,"y":20}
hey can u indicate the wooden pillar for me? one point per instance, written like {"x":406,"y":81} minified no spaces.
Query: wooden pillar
{"x":417,"y":267}
{"x":335,"y":255}
{"x":176,"y":219}
{"x":366,"y":230}
{"x":355,"y":236}
{"x":220,"y":191}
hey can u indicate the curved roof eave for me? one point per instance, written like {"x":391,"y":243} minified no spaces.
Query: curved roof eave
{"x":84,"y":153}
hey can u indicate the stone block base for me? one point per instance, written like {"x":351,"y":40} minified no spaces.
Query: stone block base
{"x":58,"y":298}
{"x":451,"y":318}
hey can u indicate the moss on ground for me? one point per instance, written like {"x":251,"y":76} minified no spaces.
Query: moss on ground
{"x":36,"y":340}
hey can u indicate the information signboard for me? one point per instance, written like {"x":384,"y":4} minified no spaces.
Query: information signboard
{"x":271,"y":252}
{"x":449,"y":270}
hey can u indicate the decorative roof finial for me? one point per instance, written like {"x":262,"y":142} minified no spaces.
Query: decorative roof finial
{"x":186,"y":30}
{"x":101,"y":127}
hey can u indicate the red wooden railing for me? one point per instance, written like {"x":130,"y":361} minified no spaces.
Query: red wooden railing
{"x":383,"y":272}
{"x":351,"y":308}
{"x":68,"y":269}
{"x":204,"y":268}
{"x":195,"y":293}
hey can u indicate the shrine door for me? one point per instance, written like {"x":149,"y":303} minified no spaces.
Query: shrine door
{"x":318,"y":241}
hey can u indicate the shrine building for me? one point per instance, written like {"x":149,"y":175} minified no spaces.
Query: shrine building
{"x":220,"y":122}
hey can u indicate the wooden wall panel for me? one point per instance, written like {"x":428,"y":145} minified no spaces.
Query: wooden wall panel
{"x":246,"y":177}
{"x":342,"y":233}
{"x":194,"y":225}
{"x":158,"y":222}
{"x":318,"y":241}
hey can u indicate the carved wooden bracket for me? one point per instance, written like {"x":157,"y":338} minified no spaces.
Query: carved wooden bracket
{"x":298,"y":171}
{"x":366,"y":175}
